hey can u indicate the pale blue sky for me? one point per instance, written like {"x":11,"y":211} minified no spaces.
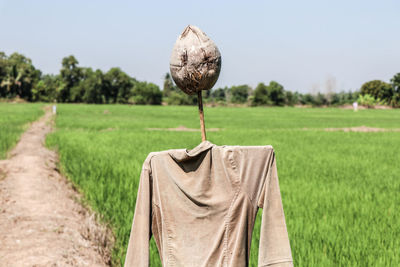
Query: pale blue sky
{"x":300,"y":44}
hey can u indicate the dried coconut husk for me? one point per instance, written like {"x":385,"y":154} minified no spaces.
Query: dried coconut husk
{"x":195,"y":61}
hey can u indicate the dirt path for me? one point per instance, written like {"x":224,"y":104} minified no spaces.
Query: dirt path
{"x":41,"y":221}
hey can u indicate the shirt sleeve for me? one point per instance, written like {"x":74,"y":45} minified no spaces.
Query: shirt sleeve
{"x":138,"y":247}
{"x":274,"y":247}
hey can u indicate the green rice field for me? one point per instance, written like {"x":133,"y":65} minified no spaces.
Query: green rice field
{"x":340,"y":190}
{"x":14,"y":119}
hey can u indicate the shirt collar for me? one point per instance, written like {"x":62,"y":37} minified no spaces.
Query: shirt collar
{"x":184,"y":154}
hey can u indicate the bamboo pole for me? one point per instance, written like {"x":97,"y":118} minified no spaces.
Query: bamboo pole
{"x":201,"y":113}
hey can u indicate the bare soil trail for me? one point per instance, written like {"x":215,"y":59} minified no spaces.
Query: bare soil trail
{"x":42,"y":222}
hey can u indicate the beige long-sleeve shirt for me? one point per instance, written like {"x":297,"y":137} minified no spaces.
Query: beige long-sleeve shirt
{"x":200,"y":206}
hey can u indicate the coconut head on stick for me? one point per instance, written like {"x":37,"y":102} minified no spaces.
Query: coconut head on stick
{"x":195,"y":65}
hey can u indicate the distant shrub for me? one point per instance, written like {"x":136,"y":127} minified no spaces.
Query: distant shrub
{"x":260,"y":96}
{"x":272,"y":94}
{"x":144,"y":93}
{"x":218,"y":95}
{"x":291,"y":98}
{"x":180,"y":98}
{"x":238,"y":94}
{"x":307,"y":99}
{"x":369,"y":101}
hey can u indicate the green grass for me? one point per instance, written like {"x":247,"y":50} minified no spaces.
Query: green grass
{"x":13,"y":121}
{"x":340,"y":190}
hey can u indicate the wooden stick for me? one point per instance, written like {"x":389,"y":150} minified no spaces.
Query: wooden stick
{"x":201,"y":113}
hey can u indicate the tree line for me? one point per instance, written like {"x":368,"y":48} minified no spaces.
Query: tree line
{"x":75,"y":84}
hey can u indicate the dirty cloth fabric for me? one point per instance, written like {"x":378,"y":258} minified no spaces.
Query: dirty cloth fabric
{"x":200,"y":206}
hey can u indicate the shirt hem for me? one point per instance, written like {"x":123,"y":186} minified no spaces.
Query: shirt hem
{"x":271,"y":263}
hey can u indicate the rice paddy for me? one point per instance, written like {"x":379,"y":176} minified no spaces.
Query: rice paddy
{"x":340,"y":190}
{"x":14,"y":119}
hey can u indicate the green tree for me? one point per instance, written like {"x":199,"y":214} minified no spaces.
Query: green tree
{"x":168,"y":86}
{"x":19,"y":76}
{"x":354,"y":97}
{"x":378,"y":89}
{"x":3,"y":74}
{"x":86,"y":83}
{"x":276,"y":93}
{"x":70,"y":75}
{"x":206,"y":94}
{"x":144,"y":93}
{"x":261,"y":95}
{"x":320,"y":100}
{"x":218,"y":95}
{"x":46,"y":89}
{"x":396,"y":90}
{"x":238,"y":94}
{"x":291,"y":98}
{"x":273,"y":94}
{"x":307,"y":99}
{"x":118,"y":86}
{"x":343,"y":98}
{"x":91,"y":87}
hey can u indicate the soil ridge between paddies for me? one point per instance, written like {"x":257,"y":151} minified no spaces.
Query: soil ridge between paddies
{"x":42,"y":222}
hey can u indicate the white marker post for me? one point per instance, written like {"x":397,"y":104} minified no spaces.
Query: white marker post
{"x":54,"y":107}
{"x":355,"y":106}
